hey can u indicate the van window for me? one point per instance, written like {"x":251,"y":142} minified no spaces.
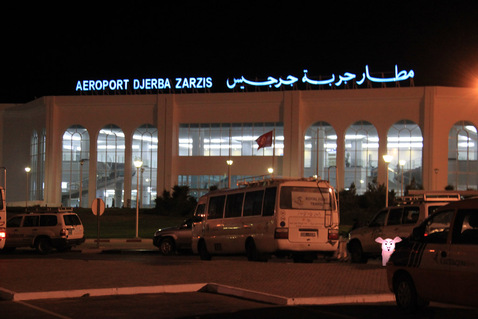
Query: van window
{"x":269,"y":201}
{"x":216,"y":207}
{"x":465,"y":230}
{"x":253,"y":203}
{"x":234,"y":205}
{"x":438,"y":227}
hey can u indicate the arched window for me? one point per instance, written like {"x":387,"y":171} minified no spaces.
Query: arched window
{"x":32,"y":184}
{"x":463,"y":157}
{"x":361,"y":155}
{"x":75,"y":167}
{"x":320,"y":151}
{"x":405,"y":145}
{"x":145,"y":147}
{"x":110,"y":166}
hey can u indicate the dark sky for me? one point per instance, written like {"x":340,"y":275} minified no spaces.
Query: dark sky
{"x":47,"y":49}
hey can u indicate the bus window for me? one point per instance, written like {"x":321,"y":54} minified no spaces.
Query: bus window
{"x":253,"y":203}
{"x":234,"y":205}
{"x":269,"y":201}
{"x":216,"y":207}
{"x":309,"y":198}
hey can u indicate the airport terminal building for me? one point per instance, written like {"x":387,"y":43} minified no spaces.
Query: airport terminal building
{"x":83,"y":147}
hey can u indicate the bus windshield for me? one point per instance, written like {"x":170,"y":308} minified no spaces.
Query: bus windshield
{"x":309,"y":198}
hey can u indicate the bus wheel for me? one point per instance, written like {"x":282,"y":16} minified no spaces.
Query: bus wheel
{"x":203,"y":253}
{"x":252,"y":253}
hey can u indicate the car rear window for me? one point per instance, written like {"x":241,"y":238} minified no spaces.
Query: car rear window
{"x":71,"y":220}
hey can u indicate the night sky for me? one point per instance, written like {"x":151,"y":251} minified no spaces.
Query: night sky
{"x":47,"y":49}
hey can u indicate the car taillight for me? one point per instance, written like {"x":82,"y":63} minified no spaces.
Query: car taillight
{"x":2,"y":235}
{"x":281,"y":233}
{"x":333,"y":234}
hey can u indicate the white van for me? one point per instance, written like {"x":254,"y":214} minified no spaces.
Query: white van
{"x":293,"y":217}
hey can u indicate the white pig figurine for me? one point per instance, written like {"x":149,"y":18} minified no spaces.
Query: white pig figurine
{"x":388,"y":247}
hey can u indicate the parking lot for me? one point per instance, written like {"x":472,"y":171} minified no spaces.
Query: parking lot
{"x":115,"y":283}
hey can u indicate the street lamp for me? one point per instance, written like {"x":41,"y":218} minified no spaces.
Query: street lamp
{"x":270,"y":170}
{"x":387,"y":159}
{"x":137,"y":163}
{"x":229,"y":164}
{"x":402,"y":163}
{"x":27,"y":170}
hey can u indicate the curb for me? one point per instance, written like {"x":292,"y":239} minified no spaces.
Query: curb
{"x":199,"y":287}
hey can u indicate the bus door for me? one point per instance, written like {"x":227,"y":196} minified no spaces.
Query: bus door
{"x":214,"y":224}
{"x":234,"y":225}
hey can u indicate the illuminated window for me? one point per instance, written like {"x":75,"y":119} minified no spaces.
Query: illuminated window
{"x":75,"y":166}
{"x":361,"y":155}
{"x":145,"y":147}
{"x":228,"y":139}
{"x":405,"y":144}
{"x":320,"y":151}
{"x":110,"y":166}
{"x":463,"y":156}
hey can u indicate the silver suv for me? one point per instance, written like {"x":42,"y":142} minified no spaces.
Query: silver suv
{"x":60,"y":229}
{"x":395,"y":221}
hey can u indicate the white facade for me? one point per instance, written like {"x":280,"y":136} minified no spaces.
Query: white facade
{"x":422,"y":125}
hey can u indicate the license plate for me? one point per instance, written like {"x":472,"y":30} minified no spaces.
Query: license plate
{"x":308,"y":234}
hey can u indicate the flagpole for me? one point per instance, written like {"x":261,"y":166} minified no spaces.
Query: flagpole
{"x":273,"y":153}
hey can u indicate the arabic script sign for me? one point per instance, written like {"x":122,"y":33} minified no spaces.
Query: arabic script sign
{"x":206,"y":82}
{"x":342,"y":79}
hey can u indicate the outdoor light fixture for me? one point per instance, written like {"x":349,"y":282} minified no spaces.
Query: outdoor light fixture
{"x":137,"y":163}
{"x":229,"y":164}
{"x":27,"y":170}
{"x":387,"y":159}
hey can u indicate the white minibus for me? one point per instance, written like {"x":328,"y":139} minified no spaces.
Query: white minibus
{"x":298,"y":218}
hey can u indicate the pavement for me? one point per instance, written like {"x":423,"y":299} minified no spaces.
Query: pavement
{"x":276,"y":282}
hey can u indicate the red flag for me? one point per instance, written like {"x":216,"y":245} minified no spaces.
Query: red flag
{"x":264,"y":140}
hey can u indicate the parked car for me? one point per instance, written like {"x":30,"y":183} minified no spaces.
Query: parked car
{"x":60,"y":229}
{"x":174,"y":239}
{"x":395,"y":221}
{"x":438,"y":262}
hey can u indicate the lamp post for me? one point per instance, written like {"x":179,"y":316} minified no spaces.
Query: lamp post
{"x":81,"y":179}
{"x":137,"y":163}
{"x":387,"y":159}
{"x":402,"y":163}
{"x":229,"y":164}
{"x":27,"y":170}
